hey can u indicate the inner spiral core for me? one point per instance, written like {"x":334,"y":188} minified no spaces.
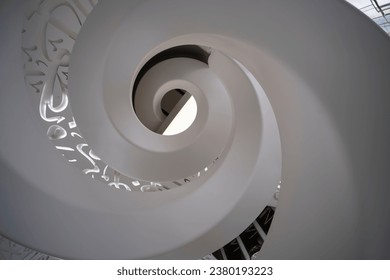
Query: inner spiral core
{"x":173,"y":111}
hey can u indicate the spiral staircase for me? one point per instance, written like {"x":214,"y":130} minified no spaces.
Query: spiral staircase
{"x":285,"y":112}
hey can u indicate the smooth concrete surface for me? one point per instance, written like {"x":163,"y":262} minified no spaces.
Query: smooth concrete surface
{"x":328,"y":87}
